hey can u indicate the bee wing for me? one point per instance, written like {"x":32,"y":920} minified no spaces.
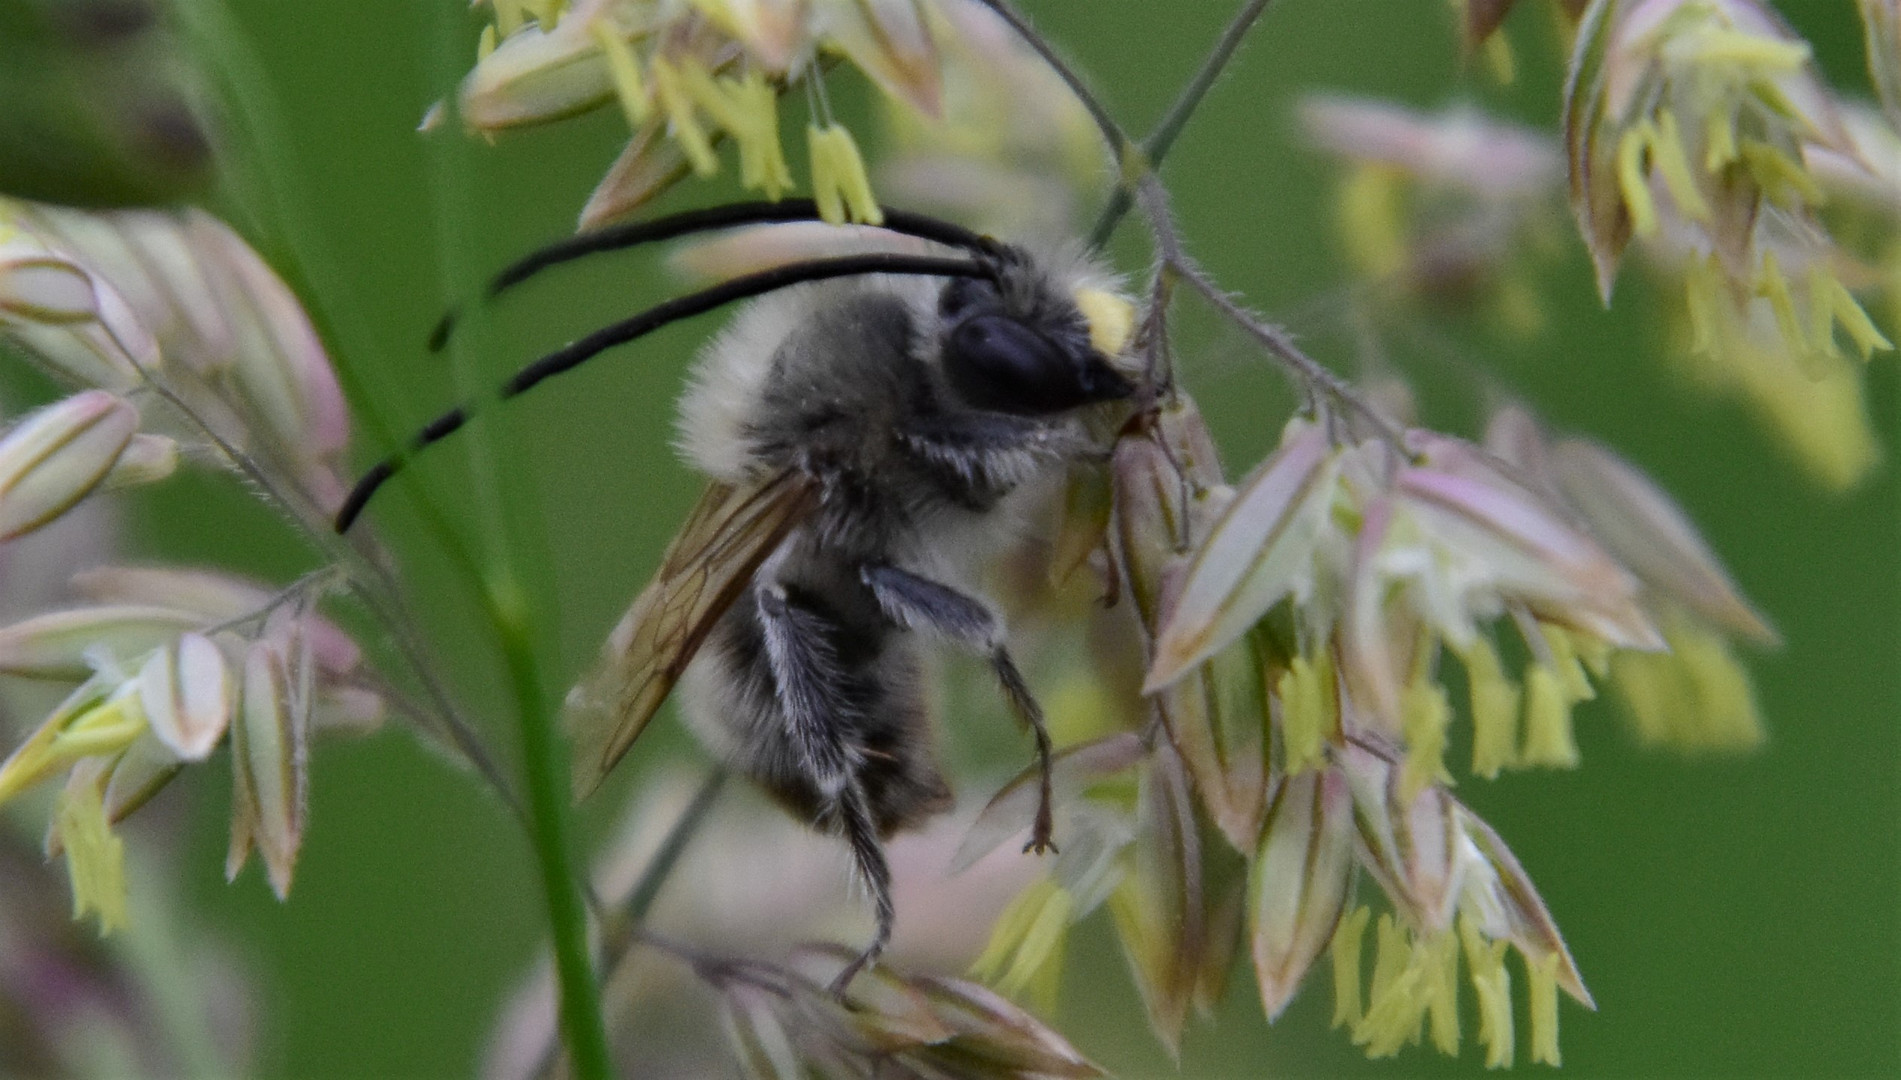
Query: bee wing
{"x":710,"y":562}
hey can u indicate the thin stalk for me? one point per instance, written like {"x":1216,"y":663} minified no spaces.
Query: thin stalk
{"x":1156,"y":146}
{"x":273,"y":197}
{"x":1128,"y":156}
{"x":544,"y":761}
{"x":457,"y":731}
{"x":278,"y":201}
{"x":516,"y":551}
{"x":1278,"y":344}
{"x":623,"y":930}
{"x":647,"y":889}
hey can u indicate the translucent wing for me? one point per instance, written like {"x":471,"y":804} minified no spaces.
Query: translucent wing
{"x":707,"y":566}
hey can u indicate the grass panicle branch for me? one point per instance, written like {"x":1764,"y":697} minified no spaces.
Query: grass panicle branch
{"x":519,"y":601}
{"x":1158,"y":143}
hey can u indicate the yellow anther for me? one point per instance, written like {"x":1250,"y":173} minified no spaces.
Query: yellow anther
{"x":1401,"y":993}
{"x":1541,"y":977}
{"x":1824,"y":421}
{"x":1439,"y":955}
{"x":1704,"y":298}
{"x":1344,"y":954}
{"x":1390,"y":952}
{"x":1821,"y":313}
{"x":1078,"y":707}
{"x":1495,"y":701}
{"x":1371,"y":217}
{"x":95,"y":858}
{"x":762,"y":160}
{"x":508,"y":16}
{"x":1310,"y":713}
{"x":1719,"y":137}
{"x":1716,"y":46}
{"x":708,"y":93}
{"x":1568,"y":659}
{"x":670,"y":88}
{"x":485,"y":45}
{"x":722,"y":15}
{"x":749,"y":111}
{"x":87,"y":723}
{"x":1652,"y":694}
{"x":1039,"y":964}
{"x":1694,"y":697}
{"x":1493,"y":986}
{"x":1773,"y":287}
{"x":1666,"y":153}
{"x":1425,"y":715}
{"x":1846,"y":310}
{"x":1548,"y":737}
{"x":839,"y":183}
{"x":1786,"y":182}
{"x":1498,"y":57}
{"x":1725,"y":703}
{"x":107,"y":729}
{"x":748,"y":108}
{"x":1632,"y":182}
{"x":1891,"y":284}
{"x":624,"y":70}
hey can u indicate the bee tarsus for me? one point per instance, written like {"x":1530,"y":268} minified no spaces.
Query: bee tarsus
{"x":868,"y":856}
{"x":810,"y":683}
{"x":918,"y":603}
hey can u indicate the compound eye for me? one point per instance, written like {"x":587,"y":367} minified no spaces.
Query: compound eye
{"x":1001,"y":365}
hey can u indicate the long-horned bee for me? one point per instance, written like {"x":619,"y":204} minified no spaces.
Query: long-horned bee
{"x":864,"y":438}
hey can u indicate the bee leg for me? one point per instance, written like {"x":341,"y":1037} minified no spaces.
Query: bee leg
{"x":916,"y":602}
{"x":806,"y":674}
{"x":867,"y":853}
{"x":807,"y":677}
{"x":1017,"y":692}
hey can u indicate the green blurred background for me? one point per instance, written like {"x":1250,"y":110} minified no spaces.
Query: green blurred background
{"x":1733,"y":917}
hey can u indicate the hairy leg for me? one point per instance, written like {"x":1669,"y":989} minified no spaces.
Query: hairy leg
{"x":916,"y":602}
{"x":807,"y":675}
{"x":808,"y":679}
{"x":868,"y":856}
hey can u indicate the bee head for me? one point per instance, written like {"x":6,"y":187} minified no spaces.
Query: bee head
{"x":1021,"y":343}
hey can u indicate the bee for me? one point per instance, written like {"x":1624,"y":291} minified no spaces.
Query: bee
{"x":869,"y":430}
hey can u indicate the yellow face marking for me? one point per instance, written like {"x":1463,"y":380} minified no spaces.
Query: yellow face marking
{"x":1111,"y":319}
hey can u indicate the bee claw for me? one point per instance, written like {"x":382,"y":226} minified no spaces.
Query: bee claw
{"x":1042,"y":840}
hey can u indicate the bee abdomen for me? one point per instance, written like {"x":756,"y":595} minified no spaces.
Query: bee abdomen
{"x":874,"y":711}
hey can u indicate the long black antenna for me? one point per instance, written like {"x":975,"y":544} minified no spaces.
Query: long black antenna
{"x":680,"y":307}
{"x":687,"y":222}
